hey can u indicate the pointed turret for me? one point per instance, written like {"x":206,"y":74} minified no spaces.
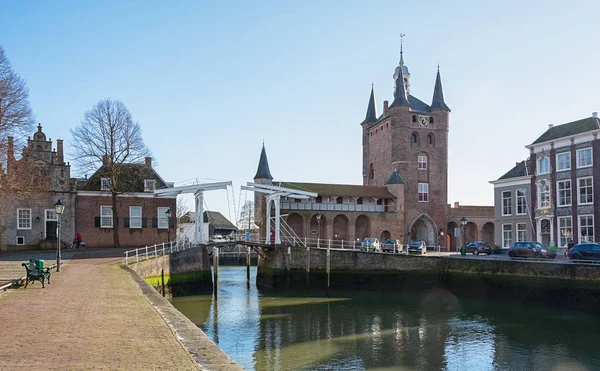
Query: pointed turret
{"x":400,"y":93}
{"x":438,"y":94}
{"x":263,"y":166}
{"x":395,"y":178}
{"x":371,"y":110}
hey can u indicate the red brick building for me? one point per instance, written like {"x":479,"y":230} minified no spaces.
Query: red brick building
{"x":404,"y":194}
{"x":142,"y":217}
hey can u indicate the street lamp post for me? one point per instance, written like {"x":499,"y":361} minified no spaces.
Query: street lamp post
{"x":59,"y":208}
{"x":168,"y":214}
{"x":463,"y":222}
{"x":318,"y":228}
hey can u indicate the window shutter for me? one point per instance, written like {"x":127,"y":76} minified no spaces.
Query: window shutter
{"x":144,"y":222}
{"x":126,"y":222}
{"x":171,"y":222}
{"x":154,"y":223}
{"x":97,"y":221}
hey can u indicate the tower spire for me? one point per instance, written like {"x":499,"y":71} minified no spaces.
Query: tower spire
{"x":263,"y":166}
{"x":438,"y":94}
{"x":371,"y":108}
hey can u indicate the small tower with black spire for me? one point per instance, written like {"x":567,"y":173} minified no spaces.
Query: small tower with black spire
{"x":370,"y":118}
{"x":263,"y":176}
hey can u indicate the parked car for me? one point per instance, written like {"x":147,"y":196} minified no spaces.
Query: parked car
{"x":370,"y":244}
{"x":477,"y":247}
{"x":391,"y":246}
{"x":415,"y":246}
{"x":530,"y":249}
{"x":219,"y":238}
{"x":584,"y":251}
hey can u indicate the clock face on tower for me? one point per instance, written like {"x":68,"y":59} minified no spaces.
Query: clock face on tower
{"x":423,"y":121}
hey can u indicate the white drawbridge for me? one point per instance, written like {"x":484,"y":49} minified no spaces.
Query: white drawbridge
{"x":198,"y":191}
{"x":274,"y":195}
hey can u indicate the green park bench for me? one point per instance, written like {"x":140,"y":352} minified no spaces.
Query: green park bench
{"x":35,"y":272}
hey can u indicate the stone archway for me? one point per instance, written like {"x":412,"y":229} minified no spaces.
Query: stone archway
{"x":451,"y":239}
{"x":340,"y":227}
{"x":296,"y":222}
{"x":471,"y":232}
{"x":318,"y":228}
{"x":362,"y":227}
{"x":423,"y":228}
{"x":487,"y":233}
{"x":385,"y":235}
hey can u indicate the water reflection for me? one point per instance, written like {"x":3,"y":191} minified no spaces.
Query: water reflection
{"x":387,"y":331}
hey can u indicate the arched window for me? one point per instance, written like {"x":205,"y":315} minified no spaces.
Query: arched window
{"x":430,"y":120}
{"x":414,"y":118}
{"x":413,"y":138}
{"x":429,"y":139}
{"x":371,"y":172}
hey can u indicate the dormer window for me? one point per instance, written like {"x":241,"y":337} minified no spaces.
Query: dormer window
{"x":149,"y":185}
{"x":105,"y":184}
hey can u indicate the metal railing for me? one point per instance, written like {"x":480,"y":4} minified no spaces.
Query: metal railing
{"x":154,"y":251}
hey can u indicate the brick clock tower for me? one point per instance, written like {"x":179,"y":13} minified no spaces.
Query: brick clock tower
{"x":412,"y":138}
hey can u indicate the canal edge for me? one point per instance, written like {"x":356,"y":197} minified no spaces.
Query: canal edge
{"x":201,"y":349}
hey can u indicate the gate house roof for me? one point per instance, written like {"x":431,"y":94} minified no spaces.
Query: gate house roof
{"x":339,"y":189}
{"x":218,"y":221}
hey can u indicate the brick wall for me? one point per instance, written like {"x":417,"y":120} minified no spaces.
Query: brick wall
{"x":88,"y":208}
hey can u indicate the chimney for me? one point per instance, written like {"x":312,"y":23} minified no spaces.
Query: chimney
{"x":59,"y":152}
{"x":595,"y":115}
{"x":385,"y":107}
{"x":456,"y":205}
{"x":550,"y":126}
{"x":148,"y":161}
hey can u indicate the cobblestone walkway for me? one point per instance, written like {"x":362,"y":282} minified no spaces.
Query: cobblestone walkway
{"x":92,"y":316}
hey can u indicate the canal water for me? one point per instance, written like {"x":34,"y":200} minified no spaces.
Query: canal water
{"x":382,"y":330}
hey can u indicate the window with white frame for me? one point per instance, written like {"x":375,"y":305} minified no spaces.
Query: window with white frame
{"x":544,"y":165}
{"x":584,"y":157}
{"x":521,"y":232}
{"x":135,"y":217}
{"x":106,"y":217}
{"x":422,"y":161}
{"x":585,"y":191}
{"x":564,"y":193}
{"x":506,"y":203}
{"x":586,"y":228}
{"x":51,"y":215}
{"x":149,"y":185}
{"x":23,"y":218}
{"x":507,"y":237}
{"x":104,"y":184}
{"x":423,"y":192}
{"x":521,"y":201}
{"x":563,"y":161}
{"x":163,"y":220}
{"x":544,"y":196}
{"x":565,"y":231}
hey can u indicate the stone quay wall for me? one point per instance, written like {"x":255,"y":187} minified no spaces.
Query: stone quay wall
{"x":185,"y":272}
{"x":570,"y":285}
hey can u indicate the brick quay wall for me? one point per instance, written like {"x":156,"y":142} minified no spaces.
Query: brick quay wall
{"x":569,"y":285}
{"x":185,"y":272}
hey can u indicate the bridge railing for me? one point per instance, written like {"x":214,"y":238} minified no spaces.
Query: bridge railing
{"x":159,"y":249}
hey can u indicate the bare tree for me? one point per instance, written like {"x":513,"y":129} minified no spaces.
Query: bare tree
{"x":105,"y":141}
{"x":246,"y":220}
{"x":181,"y":214}
{"x":16,"y":116}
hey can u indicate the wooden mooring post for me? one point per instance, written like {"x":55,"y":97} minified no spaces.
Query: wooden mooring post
{"x":328,"y":263}
{"x":248,"y":266}
{"x":308,"y":267}
{"x":216,"y":270}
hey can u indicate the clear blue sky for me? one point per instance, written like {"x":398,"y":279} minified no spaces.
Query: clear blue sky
{"x":209,"y":81}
